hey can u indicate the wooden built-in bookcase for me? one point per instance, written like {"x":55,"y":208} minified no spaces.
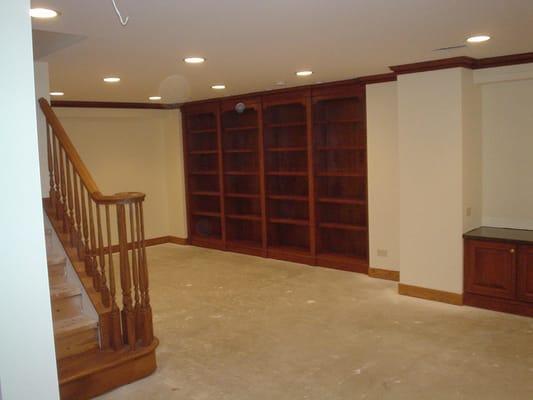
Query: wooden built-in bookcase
{"x":286,"y":178}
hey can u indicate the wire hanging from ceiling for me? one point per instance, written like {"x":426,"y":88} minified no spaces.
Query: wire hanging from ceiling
{"x":123,"y":21}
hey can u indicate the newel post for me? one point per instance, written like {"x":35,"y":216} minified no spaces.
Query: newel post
{"x":128,"y":314}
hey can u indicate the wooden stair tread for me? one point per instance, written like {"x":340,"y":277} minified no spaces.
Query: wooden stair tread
{"x":63,"y":290}
{"x":70,"y":326}
{"x":55,"y":259}
{"x":73,"y":368}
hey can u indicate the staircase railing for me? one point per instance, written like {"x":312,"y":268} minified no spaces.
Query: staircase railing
{"x":93,"y":221}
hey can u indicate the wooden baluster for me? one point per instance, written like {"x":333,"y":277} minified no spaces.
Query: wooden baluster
{"x":99,"y":278}
{"x":50,"y":165}
{"x":77,"y":215}
{"x":64,"y":206}
{"x":116,"y":334}
{"x":128,"y":314}
{"x":89,"y":267}
{"x":70,"y":205}
{"x":135,"y":266}
{"x":92,"y":242}
{"x":57,"y":200}
{"x":146,"y":309}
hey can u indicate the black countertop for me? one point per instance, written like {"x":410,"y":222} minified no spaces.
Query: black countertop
{"x":501,"y":234}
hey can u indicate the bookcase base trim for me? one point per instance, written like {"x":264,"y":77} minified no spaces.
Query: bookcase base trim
{"x":244,"y":249}
{"x":430,"y":294}
{"x":343,"y":263}
{"x":501,"y":305}
{"x":209,"y":243}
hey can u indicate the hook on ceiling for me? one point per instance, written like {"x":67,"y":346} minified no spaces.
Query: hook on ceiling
{"x":123,"y":21}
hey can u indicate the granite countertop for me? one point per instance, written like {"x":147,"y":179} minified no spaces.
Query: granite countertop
{"x":501,"y":234}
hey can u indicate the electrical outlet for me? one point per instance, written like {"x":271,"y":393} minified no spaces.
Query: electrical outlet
{"x":468,"y":211}
{"x":382,"y":253}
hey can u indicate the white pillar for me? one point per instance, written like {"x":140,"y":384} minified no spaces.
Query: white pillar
{"x":435,"y":117}
{"x":27,"y":361}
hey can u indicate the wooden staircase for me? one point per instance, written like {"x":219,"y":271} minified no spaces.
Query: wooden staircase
{"x":98,"y":280}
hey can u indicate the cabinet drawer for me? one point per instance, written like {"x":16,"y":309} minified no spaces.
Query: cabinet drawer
{"x":525,"y":273}
{"x":491,"y":268}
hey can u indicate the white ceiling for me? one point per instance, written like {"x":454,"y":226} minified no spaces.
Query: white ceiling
{"x":251,"y":44}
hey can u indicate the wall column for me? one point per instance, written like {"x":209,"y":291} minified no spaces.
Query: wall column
{"x":437,"y":134}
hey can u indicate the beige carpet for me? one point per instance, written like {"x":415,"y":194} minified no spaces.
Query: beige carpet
{"x":238,"y":327}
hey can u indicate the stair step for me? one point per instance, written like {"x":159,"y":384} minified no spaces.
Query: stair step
{"x":75,"y":335}
{"x":55,"y":260}
{"x":69,"y":326}
{"x":64,"y":290}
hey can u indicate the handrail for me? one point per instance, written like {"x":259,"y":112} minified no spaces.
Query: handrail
{"x":79,"y":165}
{"x":85,"y":215}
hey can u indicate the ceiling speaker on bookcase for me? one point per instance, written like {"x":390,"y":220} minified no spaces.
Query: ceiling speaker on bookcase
{"x":240,"y":107}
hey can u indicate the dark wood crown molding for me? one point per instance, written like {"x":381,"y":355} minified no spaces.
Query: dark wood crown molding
{"x":502,"y":61}
{"x":463,"y":62}
{"x":112,"y":104}
{"x":433,"y":65}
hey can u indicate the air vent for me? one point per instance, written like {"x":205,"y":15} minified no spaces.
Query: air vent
{"x":450,"y":48}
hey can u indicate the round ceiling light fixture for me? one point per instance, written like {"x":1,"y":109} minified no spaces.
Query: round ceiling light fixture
{"x":112,"y":79}
{"x":478,"y":39}
{"x":304,"y":73}
{"x":57,"y":94}
{"x":218,"y":87}
{"x":194,"y":60}
{"x":43,"y":13}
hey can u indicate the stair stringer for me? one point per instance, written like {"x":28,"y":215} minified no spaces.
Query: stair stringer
{"x":94,"y":298}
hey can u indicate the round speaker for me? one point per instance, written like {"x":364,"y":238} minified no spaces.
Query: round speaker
{"x":240,"y":107}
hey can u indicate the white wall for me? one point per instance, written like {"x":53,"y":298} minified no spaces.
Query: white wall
{"x":472,"y":152}
{"x":27,"y":359}
{"x":134,"y":150}
{"x":383,"y":175}
{"x":508,"y":153}
{"x":431,"y":178}
{"x":42,"y":89}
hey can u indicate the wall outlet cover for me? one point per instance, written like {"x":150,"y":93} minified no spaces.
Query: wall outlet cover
{"x":382,"y":253}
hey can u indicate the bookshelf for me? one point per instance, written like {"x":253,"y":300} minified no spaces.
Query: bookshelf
{"x":286,"y":178}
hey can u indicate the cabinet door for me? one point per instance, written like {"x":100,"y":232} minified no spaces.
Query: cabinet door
{"x":490,"y":268}
{"x":525,"y":273}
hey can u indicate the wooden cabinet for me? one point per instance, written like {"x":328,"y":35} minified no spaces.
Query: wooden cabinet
{"x":491,"y":268}
{"x":285,"y":178}
{"x":525,"y":273}
{"x":498,"y":272}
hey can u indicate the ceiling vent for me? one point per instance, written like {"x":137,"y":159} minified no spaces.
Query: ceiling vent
{"x":450,"y":48}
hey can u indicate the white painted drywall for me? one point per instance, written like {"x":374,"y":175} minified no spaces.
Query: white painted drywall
{"x":430,"y":126}
{"x":42,"y":89}
{"x":508,"y":153}
{"x":134,"y":150}
{"x":27,"y":359}
{"x":383,"y":175}
{"x":472,"y":151}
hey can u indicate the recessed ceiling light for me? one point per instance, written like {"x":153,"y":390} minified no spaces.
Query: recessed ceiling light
{"x":478,"y":39}
{"x":154,"y":98}
{"x":304,"y":73}
{"x":218,"y":87}
{"x":280,"y":83}
{"x":43,"y":13}
{"x":194,"y":60}
{"x":112,"y":79}
{"x":57,"y":94}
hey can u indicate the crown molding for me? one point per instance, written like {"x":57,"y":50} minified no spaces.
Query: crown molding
{"x":113,"y":104}
{"x":463,"y":62}
{"x":432,"y":65}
